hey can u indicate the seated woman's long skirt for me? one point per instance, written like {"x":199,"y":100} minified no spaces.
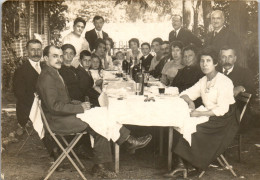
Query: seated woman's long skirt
{"x":211,"y":139}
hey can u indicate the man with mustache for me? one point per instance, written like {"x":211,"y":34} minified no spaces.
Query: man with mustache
{"x":242,"y":78}
{"x":60,"y":111}
{"x":165,"y":50}
{"x":221,"y":35}
{"x":25,"y":79}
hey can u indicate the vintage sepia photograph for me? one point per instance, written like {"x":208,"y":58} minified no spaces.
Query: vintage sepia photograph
{"x":130,"y":89}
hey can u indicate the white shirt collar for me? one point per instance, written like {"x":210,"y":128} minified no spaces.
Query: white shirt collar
{"x":218,"y":30}
{"x":146,"y":56}
{"x":33,"y":63}
{"x":229,"y":71}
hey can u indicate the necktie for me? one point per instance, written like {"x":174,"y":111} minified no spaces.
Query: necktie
{"x":174,"y":34}
{"x":226,"y":72}
{"x":37,"y":68}
{"x":215,"y":33}
{"x":99,"y":35}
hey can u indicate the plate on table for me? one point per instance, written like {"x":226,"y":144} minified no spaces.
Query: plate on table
{"x":112,"y":79}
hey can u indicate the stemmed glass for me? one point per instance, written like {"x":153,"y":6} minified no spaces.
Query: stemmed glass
{"x":138,"y":88}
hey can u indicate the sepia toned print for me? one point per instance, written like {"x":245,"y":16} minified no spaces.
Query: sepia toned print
{"x":130,"y":89}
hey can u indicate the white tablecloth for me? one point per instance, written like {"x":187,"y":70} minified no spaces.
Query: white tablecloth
{"x":133,"y":110}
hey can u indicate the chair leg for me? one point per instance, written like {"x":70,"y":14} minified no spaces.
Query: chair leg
{"x":117,"y":149}
{"x":220,"y":162}
{"x":73,"y":153}
{"x":65,"y":153}
{"x":239,"y":147}
{"x":170,"y":148}
{"x":201,"y":174}
{"x":28,"y":136}
{"x":161,"y":142}
{"x":228,"y":166}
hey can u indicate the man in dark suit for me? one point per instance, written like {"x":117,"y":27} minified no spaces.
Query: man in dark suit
{"x":61,"y":111}
{"x":221,"y":35}
{"x":92,"y":35}
{"x":86,"y":81}
{"x":147,"y":57}
{"x":184,"y":35}
{"x":25,"y":79}
{"x":242,"y":78}
{"x":165,"y":50}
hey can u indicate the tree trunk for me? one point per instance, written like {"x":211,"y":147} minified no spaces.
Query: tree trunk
{"x":239,"y":24}
{"x":187,"y":14}
{"x":196,"y":18}
{"x":206,"y":6}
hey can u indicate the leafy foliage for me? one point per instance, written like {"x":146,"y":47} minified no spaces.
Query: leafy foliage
{"x":57,"y":19}
{"x":12,"y":13}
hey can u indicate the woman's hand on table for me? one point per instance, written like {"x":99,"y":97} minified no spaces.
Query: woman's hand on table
{"x":201,"y":113}
{"x":195,"y":113}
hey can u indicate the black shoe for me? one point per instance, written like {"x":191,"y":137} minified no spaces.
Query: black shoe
{"x":137,"y":143}
{"x":180,"y":168}
{"x":99,"y":171}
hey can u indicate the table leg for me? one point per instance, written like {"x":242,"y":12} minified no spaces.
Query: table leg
{"x":116,"y":158}
{"x":170,"y":148}
{"x":161,"y":141}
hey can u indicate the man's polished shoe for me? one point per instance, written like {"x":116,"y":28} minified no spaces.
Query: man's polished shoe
{"x":137,"y":143}
{"x":175,"y":172}
{"x":99,"y":171}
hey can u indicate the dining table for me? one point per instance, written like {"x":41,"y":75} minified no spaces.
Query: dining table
{"x":121,"y":104}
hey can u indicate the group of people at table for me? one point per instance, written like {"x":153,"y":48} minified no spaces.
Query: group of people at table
{"x":69,"y":73}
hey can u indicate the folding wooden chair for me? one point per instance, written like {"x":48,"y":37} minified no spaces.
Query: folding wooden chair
{"x":243,"y":98}
{"x":66,"y":150}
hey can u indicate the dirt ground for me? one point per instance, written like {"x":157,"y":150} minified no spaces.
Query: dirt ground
{"x":32,"y":162}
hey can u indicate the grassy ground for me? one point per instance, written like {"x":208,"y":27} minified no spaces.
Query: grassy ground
{"x":33,"y":161}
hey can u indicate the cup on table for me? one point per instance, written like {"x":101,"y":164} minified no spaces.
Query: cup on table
{"x":138,"y":88}
{"x":161,"y":89}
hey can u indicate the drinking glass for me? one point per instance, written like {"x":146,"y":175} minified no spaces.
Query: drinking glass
{"x":138,"y":88}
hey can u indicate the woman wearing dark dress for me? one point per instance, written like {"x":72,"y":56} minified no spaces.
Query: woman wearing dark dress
{"x":191,"y":73}
{"x":69,"y":73}
{"x":213,"y":136}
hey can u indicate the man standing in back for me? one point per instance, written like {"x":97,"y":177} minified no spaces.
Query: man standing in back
{"x":92,"y":35}
{"x":221,"y":35}
{"x":181,"y":34}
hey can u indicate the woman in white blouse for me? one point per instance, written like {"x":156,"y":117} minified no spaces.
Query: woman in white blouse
{"x":211,"y":138}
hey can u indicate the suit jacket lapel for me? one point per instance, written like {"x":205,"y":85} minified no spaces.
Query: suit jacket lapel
{"x":179,"y":34}
{"x":31,"y":69}
{"x":94,"y":34}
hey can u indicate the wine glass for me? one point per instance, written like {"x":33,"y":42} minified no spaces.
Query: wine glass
{"x":138,"y":87}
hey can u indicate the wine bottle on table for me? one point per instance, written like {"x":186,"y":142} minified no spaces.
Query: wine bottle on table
{"x":140,"y":78}
{"x":125,"y":65}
